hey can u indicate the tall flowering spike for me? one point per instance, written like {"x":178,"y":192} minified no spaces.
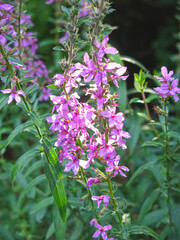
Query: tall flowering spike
{"x":169,"y":85}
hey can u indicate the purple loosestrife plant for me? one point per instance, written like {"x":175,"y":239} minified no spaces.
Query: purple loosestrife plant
{"x":74,"y":120}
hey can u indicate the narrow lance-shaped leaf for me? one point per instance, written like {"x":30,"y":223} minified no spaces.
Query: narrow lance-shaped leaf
{"x":57,"y":188}
{"x":33,"y":183}
{"x":144,"y":230}
{"x":16,"y":131}
{"x":23,"y":161}
{"x":43,"y":204}
{"x":147,"y":205}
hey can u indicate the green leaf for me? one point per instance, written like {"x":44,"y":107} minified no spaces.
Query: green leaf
{"x":3,"y":101}
{"x":32,"y":89}
{"x":122,"y":99}
{"x":151,"y":98}
{"x":57,"y":188}
{"x":6,"y":80}
{"x":134,"y":61}
{"x":175,"y":213}
{"x":65,"y":10}
{"x":147,"y":205}
{"x":15,"y":60}
{"x":16,"y":131}
{"x":134,"y":131}
{"x":27,"y":79}
{"x":59,"y":226}
{"x":137,"y":83}
{"x":50,"y":231}
{"x":136,"y":100}
{"x":5,"y":233}
{"x":144,"y":230}
{"x":146,"y":166}
{"x":35,"y":118}
{"x":155,"y":217}
{"x":152,"y":144}
{"x":116,"y":58}
{"x":144,"y":115}
{"x":23,"y":161}
{"x":43,"y":204}
{"x":77,"y":231}
{"x":33,"y":183}
{"x":33,"y":167}
{"x":51,"y":86}
{"x":82,"y":20}
{"x":58,"y":48}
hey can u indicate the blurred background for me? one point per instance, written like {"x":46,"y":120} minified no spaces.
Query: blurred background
{"x":147,"y":30}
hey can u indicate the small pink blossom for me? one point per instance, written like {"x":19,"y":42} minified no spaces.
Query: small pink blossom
{"x":92,"y":181}
{"x":165,"y":75}
{"x":99,"y":199}
{"x":117,"y":169}
{"x":102,"y":231}
{"x":50,"y":1}
{"x":14,"y":94}
{"x":103,"y":49}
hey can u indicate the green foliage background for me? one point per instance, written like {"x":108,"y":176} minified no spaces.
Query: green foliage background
{"x":26,"y":211}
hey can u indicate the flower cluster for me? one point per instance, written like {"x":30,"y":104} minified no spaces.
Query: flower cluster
{"x":28,"y":45}
{"x":169,"y":85}
{"x":74,"y":120}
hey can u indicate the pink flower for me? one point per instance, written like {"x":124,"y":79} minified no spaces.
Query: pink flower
{"x":102,"y":231}
{"x":115,"y":120}
{"x":14,"y":94}
{"x":169,"y":85}
{"x":99,"y":95}
{"x":166,"y":76}
{"x":65,"y":37}
{"x":50,"y":1}
{"x":5,"y":7}
{"x":103,"y":49}
{"x":73,"y":164}
{"x":46,"y":92}
{"x":99,"y":199}
{"x":92,"y":181}
{"x":117,"y":169}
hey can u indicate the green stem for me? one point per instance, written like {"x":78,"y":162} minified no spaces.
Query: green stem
{"x":149,"y":117}
{"x":167,"y":160}
{"x":89,"y":192}
{"x":23,"y":98}
{"x":114,"y":201}
{"x":19,"y":29}
{"x":6,"y":60}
